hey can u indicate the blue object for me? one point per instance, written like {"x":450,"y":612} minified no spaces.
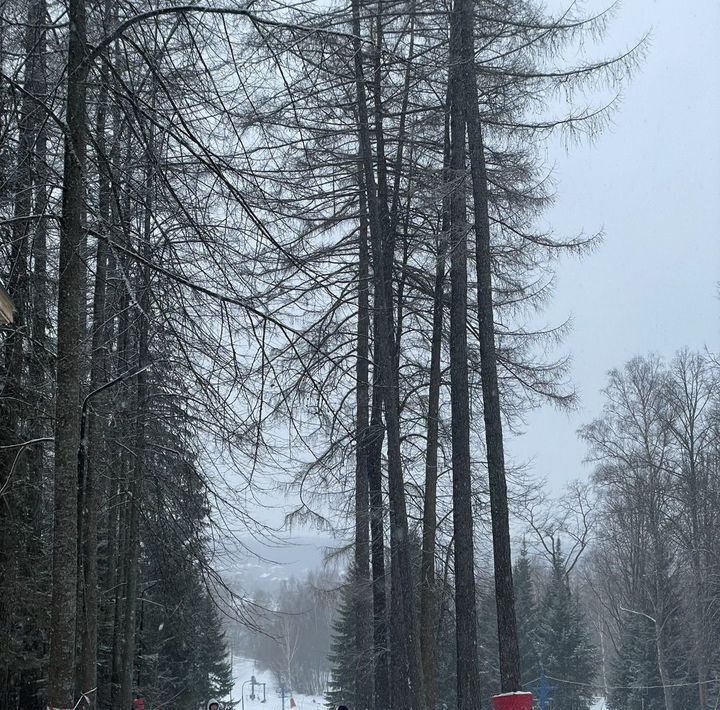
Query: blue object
{"x":543,"y":691}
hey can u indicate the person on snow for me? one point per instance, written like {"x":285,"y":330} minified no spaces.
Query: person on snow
{"x":213,"y":705}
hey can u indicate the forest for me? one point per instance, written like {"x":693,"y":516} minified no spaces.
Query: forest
{"x":296,"y":250}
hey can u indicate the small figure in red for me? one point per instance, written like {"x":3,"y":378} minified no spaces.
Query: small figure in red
{"x":139,"y":703}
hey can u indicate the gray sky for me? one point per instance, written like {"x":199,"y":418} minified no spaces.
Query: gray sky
{"x":652,"y":183}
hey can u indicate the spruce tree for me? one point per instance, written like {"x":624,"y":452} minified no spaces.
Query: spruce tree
{"x":488,"y":652}
{"x":566,"y":652}
{"x":342,"y":657}
{"x":635,"y":669}
{"x":445,"y":648}
{"x":526,"y":612}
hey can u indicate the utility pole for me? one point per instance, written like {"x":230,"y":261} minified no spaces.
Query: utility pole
{"x":544,"y":691}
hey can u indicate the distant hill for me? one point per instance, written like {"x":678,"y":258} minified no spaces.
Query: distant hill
{"x":251,"y":565}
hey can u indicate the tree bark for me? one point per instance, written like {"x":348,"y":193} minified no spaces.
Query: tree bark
{"x":502,"y":556}
{"x":405,"y":640}
{"x":428,"y":601}
{"x":374,"y":444}
{"x":663,"y":667}
{"x":136,"y":488}
{"x":67,"y":418}
{"x":121,"y":547}
{"x":18,"y":479}
{"x":468,"y":675}
{"x":40,"y":363}
{"x":98,"y":374}
{"x":363,"y":599}
{"x":427,"y":589}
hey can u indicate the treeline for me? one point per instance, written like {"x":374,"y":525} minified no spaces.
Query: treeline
{"x":654,"y":571}
{"x":109,"y":384}
{"x":407,"y":158}
{"x":290,"y":634}
{"x":288,"y":240}
{"x":617,"y":582}
{"x":556,"y":634}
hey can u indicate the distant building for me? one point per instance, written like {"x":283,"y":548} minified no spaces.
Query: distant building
{"x":7,"y":308}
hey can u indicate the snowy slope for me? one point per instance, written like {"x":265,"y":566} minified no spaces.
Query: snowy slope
{"x":244,"y":668}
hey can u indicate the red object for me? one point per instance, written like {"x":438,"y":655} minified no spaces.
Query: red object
{"x":513,"y":701}
{"x":293,"y":704}
{"x":139,"y":704}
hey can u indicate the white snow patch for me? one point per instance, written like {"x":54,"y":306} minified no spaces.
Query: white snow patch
{"x":244,"y":669}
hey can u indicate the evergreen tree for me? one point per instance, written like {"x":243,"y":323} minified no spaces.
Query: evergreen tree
{"x":635,"y":669}
{"x":566,"y":652}
{"x":527,"y":618}
{"x":216,"y":679}
{"x":342,"y":656}
{"x":488,"y":652}
{"x":445,"y":648}
{"x":635,"y":677}
{"x":527,"y":626}
{"x":182,"y":651}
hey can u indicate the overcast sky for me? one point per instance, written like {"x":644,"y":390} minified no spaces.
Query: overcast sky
{"x":652,"y":183}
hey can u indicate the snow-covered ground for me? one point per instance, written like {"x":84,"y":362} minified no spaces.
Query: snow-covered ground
{"x":244,"y":669}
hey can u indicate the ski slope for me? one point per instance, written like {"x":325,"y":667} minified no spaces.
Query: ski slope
{"x":244,"y":669}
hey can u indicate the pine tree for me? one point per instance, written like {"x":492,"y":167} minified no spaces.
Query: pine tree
{"x":566,"y":652}
{"x":345,"y":659}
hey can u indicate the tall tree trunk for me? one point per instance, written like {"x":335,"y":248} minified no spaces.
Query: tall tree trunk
{"x":428,"y":602}
{"x":110,"y":489}
{"x":40,"y":363}
{"x":502,"y":556}
{"x":67,"y":418}
{"x":133,"y":545}
{"x":136,"y":488}
{"x":120,"y":580}
{"x":98,"y":375}
{"x":660,"y":592}
{"x":374,"y":446}
{"x":16,"y":479}
{"x":404,"y":634}
{"x":121,"y":551}
{"x":363,"y":599}
{"x":93,"y":434}
{"x":468,"y":675}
